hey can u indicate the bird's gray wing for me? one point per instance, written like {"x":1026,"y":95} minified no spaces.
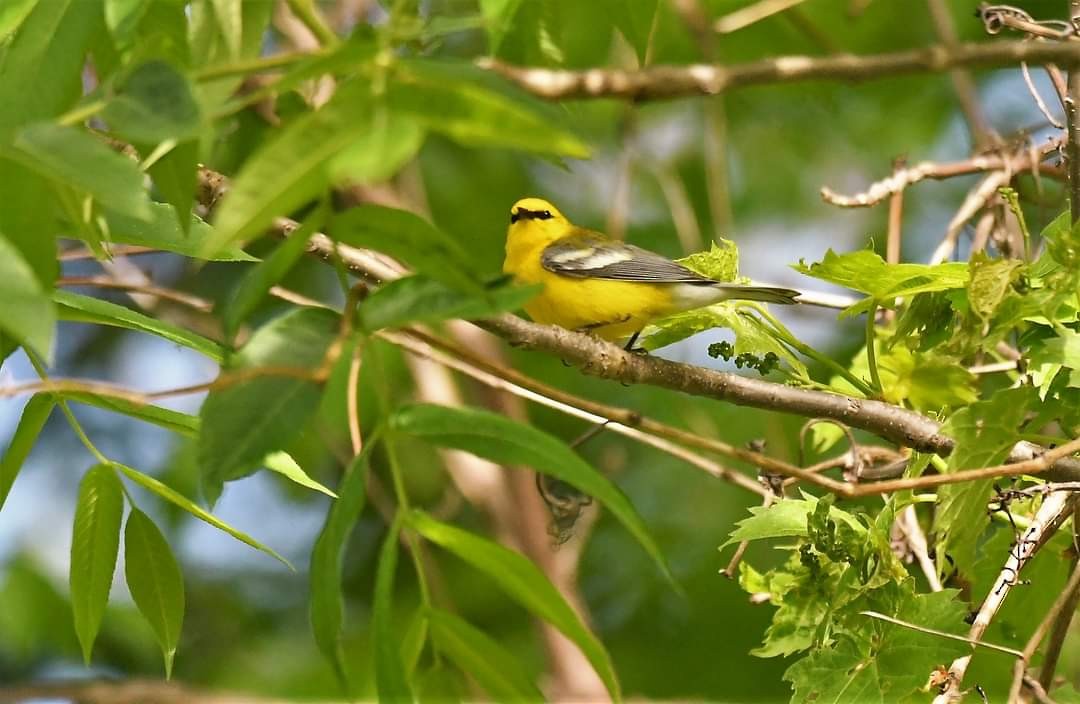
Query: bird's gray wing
{"x":586,"y":254}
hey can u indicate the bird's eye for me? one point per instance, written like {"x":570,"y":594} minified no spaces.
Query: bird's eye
{"x":545,"y":215}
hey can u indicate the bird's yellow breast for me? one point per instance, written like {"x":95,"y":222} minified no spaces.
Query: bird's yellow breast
{"x":610,"y":309}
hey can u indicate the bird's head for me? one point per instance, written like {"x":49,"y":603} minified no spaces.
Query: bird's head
{"x":534,"y":220}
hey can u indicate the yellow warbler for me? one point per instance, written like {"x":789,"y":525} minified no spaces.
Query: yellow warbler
{"x":597,"y":284}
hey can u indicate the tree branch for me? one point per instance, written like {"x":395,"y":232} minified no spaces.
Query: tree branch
{"x":1055,"y":509}
{"x":665,"y":82}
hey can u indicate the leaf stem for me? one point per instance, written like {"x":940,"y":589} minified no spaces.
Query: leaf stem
{"x":785,"y":336}
{"x":871,"y":353}
{"x":39,"y":367}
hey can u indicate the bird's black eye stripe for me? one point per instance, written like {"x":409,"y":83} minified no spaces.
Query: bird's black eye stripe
{"x":524,"y":214}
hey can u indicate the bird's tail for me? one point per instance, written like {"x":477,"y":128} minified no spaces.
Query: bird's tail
{"x":765,"y":294}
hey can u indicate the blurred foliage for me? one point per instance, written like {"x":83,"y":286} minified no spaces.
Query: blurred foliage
{"x":391,"y":112}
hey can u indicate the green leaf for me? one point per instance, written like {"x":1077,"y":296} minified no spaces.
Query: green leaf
{"x":85,"y":309}
{"x":327,"y":604}
{"x":257,"y":282}
{"x":499,"y":439}
{"x":26,"y":313}
{"x":522,"y":581}
{"x":635,"y":21}
{"x":244,"y":422}
{"x":390,"y":680}
{"x":286,"y":466}
{"x":411,"y":239}
{"x":178,"y":499}
{"x":984,"y":433}
{"x":95,"y":541}
{"x":892,"y":666}
{"x":720,"y":262}
{"x":176,"y":174}
{"x":34,"y":415}
{"x":498,"y":15}
{"x":929,"y":382}
{"x":868,"y":273}
{"x":471,"y":107}
{"x":418,"y":299}
{"x":162,"y":230}
{"x":476,"y":653}
{"x":292,"y":168}
{"x":41,"y":67}
{"x":73,"y":157}
{"x":154,"y":103}
{"x":991,"y":280}
{"x":122,"y":18}
{"x":1063,"y":349}
{"x":26,"y":221}
{"x":12,"y":14}
{"x":155,"y":582}
{"x":786,"y":518}
{"x":175,"y":421}
{"x":377,"y":155}
{"x":229,"y":16}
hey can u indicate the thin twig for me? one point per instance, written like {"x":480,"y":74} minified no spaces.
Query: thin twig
{"x":1059,"y":608}
{"x":665,"y":82}
{"x":200,"y":304}
{"x":352,"y":389}
{"x":1038,"y":98}
{"x":751,"y":14}
{"x":1060,"y":630}
{"x":916,"y":540}
{"x":902,"y":178}
{"x":1054,"y":510}
{"x":974,"y":202}
{"x":942,"y":634}
{"x":962,"y":82}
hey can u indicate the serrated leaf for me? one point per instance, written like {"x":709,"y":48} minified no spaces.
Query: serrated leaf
{"x":154,"y":103}
{"x":85,"y":309}
{"x":244,"y":422}
{"x":991,"y":280}
{"x":95,"y":541}
{"x":890,"y":667}
{"x":162,"y":230}
{"x":411,"y":239}
{"x":390,"y":680}
{"x":41,"y":67}
{"x":73,"y":157}
{"x":487,"y":661}
{"x":786,"y":518}
{"x":720,"y":262}
{"x":257,"y":282}
{"x":26,"y":313}
{"x":928,"y":382}
{"x":327,"y":604}
{"x":418,"y":299}
{"x":499,"y":439}
{"x":523,"y":582}
{"x":984,"y":433}
{"x":172,"y":496}
{"x":33,"y":419}
{"x":868,"y":273}
{"x":471,"y":107}
{"x":293,"y":167}
{"x":154,"y":580}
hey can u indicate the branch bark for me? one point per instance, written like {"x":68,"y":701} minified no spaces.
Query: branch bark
{"x":666,"y":82}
